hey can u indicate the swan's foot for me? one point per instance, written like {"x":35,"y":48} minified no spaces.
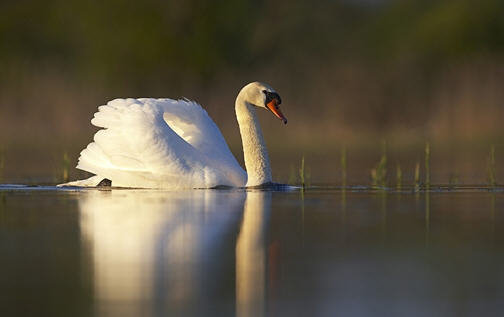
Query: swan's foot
{"x":105,"y":183}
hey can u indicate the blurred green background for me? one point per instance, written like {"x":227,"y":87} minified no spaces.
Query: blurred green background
{"x":350,"y":73}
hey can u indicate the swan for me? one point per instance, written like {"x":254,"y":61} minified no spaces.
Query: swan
{"x":166,"y":143}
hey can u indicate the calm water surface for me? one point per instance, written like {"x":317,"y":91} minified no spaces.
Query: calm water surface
{"x":250,"y":253}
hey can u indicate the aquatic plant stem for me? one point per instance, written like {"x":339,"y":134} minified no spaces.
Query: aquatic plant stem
{"x":66,"y":165}
{"x":427,"y":219}
{"x":378,"y":174}
{"x":343,"y":162}
{"x":417,"y":176}
{"x":398,"y":177}
{"x":302,"y":172}
{"x":427,"y":165}
{"x":491,"y":168}
{"x":2,"y":163}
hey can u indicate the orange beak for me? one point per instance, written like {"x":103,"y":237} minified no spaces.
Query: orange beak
{"x":273,"y":106}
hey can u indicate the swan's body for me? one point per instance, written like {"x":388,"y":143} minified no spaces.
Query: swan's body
{"x":165,"y":143}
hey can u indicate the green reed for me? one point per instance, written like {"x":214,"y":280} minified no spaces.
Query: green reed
{"x":379,"y":173}
{"x":2,"y":162}
{"x":417,"y":176}
{"x":343,"y":163}
{"x":427,"y":219}
{"x":65,"y":166}
{"x":398,"y":177}
{"x":427,"y":165}
{"x":302,"y":172}
{"x":492,"y":179}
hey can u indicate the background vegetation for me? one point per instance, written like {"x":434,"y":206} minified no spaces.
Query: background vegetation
{"x":349,"y":72}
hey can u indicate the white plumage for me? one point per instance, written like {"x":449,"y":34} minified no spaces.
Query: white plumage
{"x":166,"y":143}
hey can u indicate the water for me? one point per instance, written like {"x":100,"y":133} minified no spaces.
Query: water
{"x":325,"y":252}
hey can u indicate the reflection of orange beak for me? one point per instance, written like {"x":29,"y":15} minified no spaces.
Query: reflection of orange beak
{"x":273,"y":106}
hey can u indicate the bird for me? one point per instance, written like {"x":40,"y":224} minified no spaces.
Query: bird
{"x":174,"y":144}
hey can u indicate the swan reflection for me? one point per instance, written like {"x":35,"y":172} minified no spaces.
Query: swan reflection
{"x":251,"y":255}
{"x":184,"y":253}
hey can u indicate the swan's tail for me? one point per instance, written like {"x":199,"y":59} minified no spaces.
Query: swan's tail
{"x":92,"y":159}
{"x":93,"y":181}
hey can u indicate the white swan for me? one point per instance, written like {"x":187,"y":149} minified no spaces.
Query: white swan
{"x":165,"y":143}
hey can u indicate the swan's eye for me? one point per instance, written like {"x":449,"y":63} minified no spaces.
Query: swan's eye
{"x":271,"y":96}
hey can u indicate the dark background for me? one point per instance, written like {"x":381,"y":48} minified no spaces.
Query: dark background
{"x":350,"y":73}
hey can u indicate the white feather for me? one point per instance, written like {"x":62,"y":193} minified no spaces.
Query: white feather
{"x":165,"y":143}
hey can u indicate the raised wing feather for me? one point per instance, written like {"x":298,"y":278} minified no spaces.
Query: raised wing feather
{"x":159,"y":143}
{"x":192,"y":123}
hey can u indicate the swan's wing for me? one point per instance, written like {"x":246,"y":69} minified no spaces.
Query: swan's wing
{"x":159,"y":143}
{"x":193,"y":124}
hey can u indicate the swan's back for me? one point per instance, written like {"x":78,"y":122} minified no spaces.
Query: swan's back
{"x":159,"y":143}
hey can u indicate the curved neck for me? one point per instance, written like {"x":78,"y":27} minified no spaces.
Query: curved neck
{"x":254,"y":149}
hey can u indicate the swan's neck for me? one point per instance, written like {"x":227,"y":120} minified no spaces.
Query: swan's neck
{"x":254,"y":149}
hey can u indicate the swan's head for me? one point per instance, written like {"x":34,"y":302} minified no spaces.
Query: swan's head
{"x":263,"y":96}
